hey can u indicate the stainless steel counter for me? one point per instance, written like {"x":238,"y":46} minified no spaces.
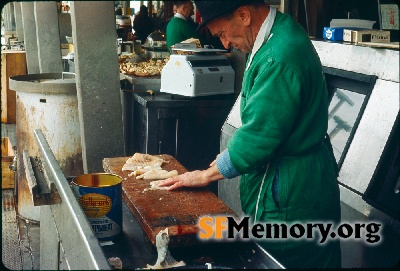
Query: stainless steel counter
{"x":138,"y":83}
{"x":67,"y":241}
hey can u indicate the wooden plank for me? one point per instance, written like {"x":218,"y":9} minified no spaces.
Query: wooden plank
{"x":6,"y":147}
{"x":7,"y":157}
{"x":159,"y":209}
{"x":12,"y":63}
{"x":7,"y":175}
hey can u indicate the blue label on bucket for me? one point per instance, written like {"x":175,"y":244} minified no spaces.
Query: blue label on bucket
{"x":103,"y":208}
{"x":104,"y":228}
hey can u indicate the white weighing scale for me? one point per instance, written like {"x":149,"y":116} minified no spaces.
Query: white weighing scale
{"x":197,"y":72}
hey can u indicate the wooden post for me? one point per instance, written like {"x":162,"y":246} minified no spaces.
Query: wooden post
{"x":12,"y":63}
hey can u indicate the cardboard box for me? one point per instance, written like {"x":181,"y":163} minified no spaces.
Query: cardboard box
{"x":379,"y":36}
{"x":347,"y":35}
{"x":333,"y":33}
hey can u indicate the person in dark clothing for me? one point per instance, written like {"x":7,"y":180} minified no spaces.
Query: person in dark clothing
{"x":118,"y":10}
{"x":142,"y":24}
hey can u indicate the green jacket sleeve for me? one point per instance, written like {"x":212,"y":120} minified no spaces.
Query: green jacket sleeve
{"x":270,"y":104}
{"x":179,"y":30}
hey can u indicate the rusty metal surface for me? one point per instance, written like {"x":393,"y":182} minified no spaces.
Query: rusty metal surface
{"x":43,"y":190}
{"x":159,"y":209}
{"x":57,"y":115}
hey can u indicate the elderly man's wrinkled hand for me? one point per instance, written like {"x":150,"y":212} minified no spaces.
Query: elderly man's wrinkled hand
{"x":189,"y":179}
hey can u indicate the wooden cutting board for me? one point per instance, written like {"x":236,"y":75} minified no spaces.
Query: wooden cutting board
{"x":176,"y":210}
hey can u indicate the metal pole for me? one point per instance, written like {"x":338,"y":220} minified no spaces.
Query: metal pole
{"x":379,"y":14}
{"x":306,"y":11}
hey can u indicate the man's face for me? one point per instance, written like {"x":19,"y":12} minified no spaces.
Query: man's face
{"x":188,"y":10}
{"x":232,"y":32}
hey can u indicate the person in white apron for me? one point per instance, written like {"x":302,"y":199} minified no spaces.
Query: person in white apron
{"x":288,"y":172}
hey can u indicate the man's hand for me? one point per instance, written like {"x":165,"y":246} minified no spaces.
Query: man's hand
{"x":198,"y":178}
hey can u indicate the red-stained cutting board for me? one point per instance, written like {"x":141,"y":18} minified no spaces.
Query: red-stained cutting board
{"x":177,"y":210}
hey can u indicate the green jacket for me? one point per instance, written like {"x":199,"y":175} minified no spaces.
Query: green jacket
{"x":179,"y":30}
{"x":284,"y":112}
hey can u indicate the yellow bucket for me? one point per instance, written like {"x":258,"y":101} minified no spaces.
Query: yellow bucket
{"x":100,"y":196}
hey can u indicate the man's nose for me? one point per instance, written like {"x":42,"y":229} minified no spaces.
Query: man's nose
{"x":225,"y":43}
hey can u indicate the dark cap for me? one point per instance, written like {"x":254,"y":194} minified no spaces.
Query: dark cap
{"x":212,"y":9}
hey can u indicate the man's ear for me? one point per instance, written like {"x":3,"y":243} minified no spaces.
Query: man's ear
{"x":245,"y":15}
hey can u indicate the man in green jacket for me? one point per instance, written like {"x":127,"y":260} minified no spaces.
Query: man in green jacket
{"x":288,"y":172}
{"x":181,"y":27}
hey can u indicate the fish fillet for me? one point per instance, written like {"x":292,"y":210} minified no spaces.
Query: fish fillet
{"x":141,"y":160}
{"x":157,"y":174}
{"x":141,"y":171}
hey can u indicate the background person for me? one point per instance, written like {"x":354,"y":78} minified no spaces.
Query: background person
{"x":118,"y":10}
{"x":142,"y":24}
{"x":181,"y":27}
{"x":288,"y":172}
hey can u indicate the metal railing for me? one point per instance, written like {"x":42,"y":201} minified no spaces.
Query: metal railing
{"x":66,"y":238}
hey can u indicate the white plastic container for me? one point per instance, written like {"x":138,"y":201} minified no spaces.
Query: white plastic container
{"x":352,"y":23}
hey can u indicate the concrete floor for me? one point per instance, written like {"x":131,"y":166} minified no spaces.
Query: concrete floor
{"x":11,"y":252}
{"x":20,"y":237}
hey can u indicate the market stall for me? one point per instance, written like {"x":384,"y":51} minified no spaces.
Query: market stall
{"x":117,"y":97}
